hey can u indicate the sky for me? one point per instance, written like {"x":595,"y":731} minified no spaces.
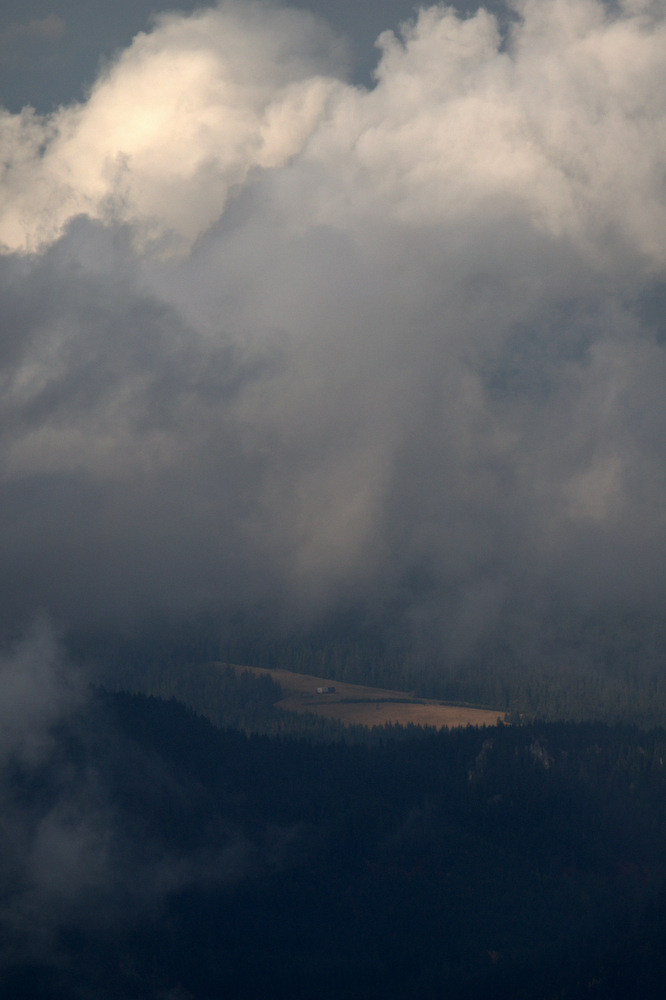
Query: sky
{"x":338,"y":305}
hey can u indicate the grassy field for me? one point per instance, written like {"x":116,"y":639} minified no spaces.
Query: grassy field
{"x":356,"y":704}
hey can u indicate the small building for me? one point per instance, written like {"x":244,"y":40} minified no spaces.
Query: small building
{"x":326,"y":690}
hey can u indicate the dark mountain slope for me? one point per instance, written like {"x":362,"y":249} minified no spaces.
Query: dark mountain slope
{"x":147,"y":854}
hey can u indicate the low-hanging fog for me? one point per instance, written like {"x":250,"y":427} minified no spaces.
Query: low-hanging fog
{"x":271,"y":338}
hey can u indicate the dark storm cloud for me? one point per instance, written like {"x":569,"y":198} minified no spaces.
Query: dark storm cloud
{"x":271,"y":336}
{"x":113,"y":419}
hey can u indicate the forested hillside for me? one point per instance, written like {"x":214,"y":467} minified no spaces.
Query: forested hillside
{"x":518,"y":862}
{"x":610,"y":671}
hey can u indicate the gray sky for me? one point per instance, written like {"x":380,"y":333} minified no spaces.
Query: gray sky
{"x":270,"y":335}
{"x":52,"y":51}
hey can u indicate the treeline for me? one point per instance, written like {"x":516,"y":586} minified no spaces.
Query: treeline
{"x":578,"y":668}
{"x":229,"y":698}
{"x":561,"y":692}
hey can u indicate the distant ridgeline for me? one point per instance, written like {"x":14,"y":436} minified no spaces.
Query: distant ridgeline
{"x":586,"y":669}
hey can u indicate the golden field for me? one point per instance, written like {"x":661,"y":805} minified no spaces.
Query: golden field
{"x":357,"y":704}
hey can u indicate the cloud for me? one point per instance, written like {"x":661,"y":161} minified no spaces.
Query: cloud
{"x":51,"y":850}
{"x":274,"y":337}
{"x":181,"y":117}
{"x":35,"y":693}
{"x":87,"y":833}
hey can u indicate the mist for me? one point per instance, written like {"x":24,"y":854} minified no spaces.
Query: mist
{"x":272,"y":338}
{"x":90,"y":788}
